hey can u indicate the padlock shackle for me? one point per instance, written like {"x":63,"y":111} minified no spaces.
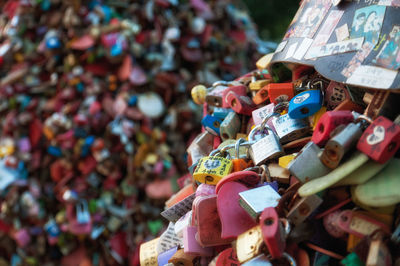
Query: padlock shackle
{"x":241,"y":142}
{"x":257,"y":128}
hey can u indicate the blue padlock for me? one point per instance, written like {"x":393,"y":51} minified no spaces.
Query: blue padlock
{"x":305,"y":104}
{"x":221,"y":112}
{"x":212,"y":124}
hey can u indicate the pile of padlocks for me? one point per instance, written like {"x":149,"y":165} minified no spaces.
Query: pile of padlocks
{"x":95,"y":116}
{"x":293,"y":167}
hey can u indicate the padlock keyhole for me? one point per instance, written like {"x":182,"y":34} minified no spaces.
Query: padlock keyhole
{"x":269,"y":221}
{"x":332,"y":154}
{"x":209,"y":178}
{"x":392,"y":146}
{"x":216,"y":124}
{"x":321,"y":128}
{"x":225,"y":136}
{"x":233,"y":103}
{"x":304,"y":110}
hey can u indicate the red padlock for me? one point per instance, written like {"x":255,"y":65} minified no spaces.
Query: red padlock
{"x":240,"y":104}
{"x":279,"y":92}
{"x":273,"y":232}
{"x":327,"y":123}
{"x":380,"y":140}
{"x":261,"y":95}
{"x":240,"y":90}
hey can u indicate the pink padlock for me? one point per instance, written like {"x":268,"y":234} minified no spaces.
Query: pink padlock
{"x":191,"y":246}
{"x":240,"y":90}
{"x":240,"y":104}
{"x":234,"y":219}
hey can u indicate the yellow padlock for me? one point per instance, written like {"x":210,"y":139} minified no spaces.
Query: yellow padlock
{"x":211,"y":169}
{"x":249,"y":244}
{"x":258,"y":84}
{"x":264,"y":61}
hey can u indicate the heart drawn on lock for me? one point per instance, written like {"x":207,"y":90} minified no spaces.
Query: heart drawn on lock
{"x":377,"y":136}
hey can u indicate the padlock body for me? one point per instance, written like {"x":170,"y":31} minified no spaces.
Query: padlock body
{"x":214,"y":97}
{"x":380,"y":140}
{"x":337,"y":146}
{"x":289,"y":129}
{"x":212,"y":124}
{"x":230,"y":126}
{"x":327,"y":123}
{"x":305,"y":104}
{"x":240,"y":104}
{"x":239,"y":90}
{"x":261,"y":95}
{"x":280,"y":92}
{"x":306,"y":165}
{"x":265,"y":149}
{"x":211,"y":169}
{"x":273,"y":232}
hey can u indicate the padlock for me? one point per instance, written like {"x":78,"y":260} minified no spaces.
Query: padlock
{"x":227,"y":257}
{"x":165,"y":256}
{"x":211,"y":169}
{"x":212,"y":124}
{"x":266,"y":148}
{"x":249,"y":178}
{"x":199,"y":93}
{"x":280,"y":92}
{"x":359,"y":224}
{"x":230,"y":126}
{"x":335,"y":94}
{"x":221,"y":113}
{"x":327,"y":123}
{"x":240,"y":104}
{"x":234,"y":219}
{"x":379,"y":253}
{"x":249,"y":244}
{"x":274,"y":234}
{"x":337,"y":146}
{"x":303,"y":208}
{"x":305,"y":104}
{"x":256,"y":85}
{"x":181,"y":258}
{"x":289,"y":129}
{"x":306,"y":165}
{"x":259,"y":114}
{"x":214,"y":94}
{"x":279,"y":173}
{"x":239,"y":164}
{"x":208,"y":222}
{"x":380,"y":140}
{"x":261,"y":96}
{"x":239,"y":90}
{"x":255,"y":200}
{"x":190,"y":244}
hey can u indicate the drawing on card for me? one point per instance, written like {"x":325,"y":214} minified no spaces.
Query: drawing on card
{"x":367,"y":23}
{"x":389,"y":55}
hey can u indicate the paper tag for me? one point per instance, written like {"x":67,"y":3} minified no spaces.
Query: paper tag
{"x":335,"y":48}
{"x":301,"y":51}
{"x":281,"y":46}
{"x":342,"y":33}
{"x":148,"y":253}
{"x":373,"y":77}
{"x":179,"y":209}
{"x":292,"y":49}
{"x":168,"y":239}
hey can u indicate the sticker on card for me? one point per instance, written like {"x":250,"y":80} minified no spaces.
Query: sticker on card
{"x":292,"y":49}
{"x":304,"y":46}
{"x":389,"y":55}
{"x":389,"y":3}
{"x":335,"y":48}
{"x":327,"y":28}
{"x":280,"y":47}
{"x":342,"y":33}
{"x":372,"y":77}
{"x":367,"y":23}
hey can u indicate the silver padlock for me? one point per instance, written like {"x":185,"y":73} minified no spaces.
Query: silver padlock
{"x":306,"y":165}
{"x":345,"y":140}
{"x":266,"y":148}
{"x":230,"y":126}
{"x":289,"y":129}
